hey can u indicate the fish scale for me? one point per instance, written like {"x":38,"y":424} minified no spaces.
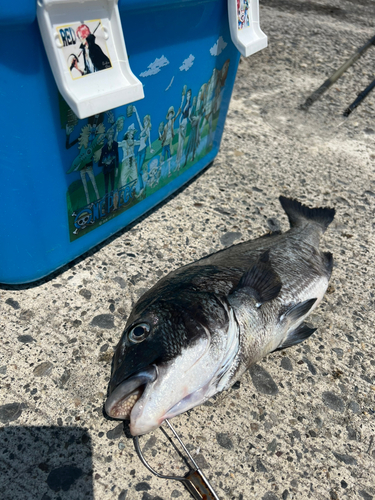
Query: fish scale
{"x":202,"y":326}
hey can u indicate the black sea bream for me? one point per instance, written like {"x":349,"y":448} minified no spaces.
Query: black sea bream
{"x":200,"y":328}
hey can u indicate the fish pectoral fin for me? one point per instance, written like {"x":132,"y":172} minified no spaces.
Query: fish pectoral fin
{"x":296,"y":312}
{"x":261,"y":281}
{"x":301,"y":333}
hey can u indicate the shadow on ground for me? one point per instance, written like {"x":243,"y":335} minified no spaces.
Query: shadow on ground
{"x":45,"y":463}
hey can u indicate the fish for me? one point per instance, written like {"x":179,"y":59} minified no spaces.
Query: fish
{"x":198,"y":329}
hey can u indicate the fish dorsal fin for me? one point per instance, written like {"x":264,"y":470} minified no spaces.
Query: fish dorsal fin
{"x":294,"y":313}
{"x":261,"y":281}
{"x":301,"y":333}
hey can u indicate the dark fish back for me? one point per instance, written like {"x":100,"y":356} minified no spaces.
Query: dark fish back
{"x":295,"y":250}
{"x":243,"y":255}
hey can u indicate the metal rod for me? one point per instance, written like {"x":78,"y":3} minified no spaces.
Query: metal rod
{"x":194,"y":481}
{"x":181,"y":443}
{"x":146,"y":464}
{"x":359,"y":99}
{"x":200,"y":482}
{"x":336,"y":75}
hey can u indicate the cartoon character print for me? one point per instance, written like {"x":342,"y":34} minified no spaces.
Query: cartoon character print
{"x":183,"y":122}
{"x":90,"y":141}
{"x":93,"y":57}
{"x":194,"y":138}
{"x":145,"y":134}
{"x":154,"y":172}
{"x":128,"y":165}
{"x":166,"y":136}
{"x":220,"y":84}
{"x":243,"y":14}
{"x":209,"y":105}
{"x":109,"y":161}
{"x":83,"y":219}
{"x":122,"y":159}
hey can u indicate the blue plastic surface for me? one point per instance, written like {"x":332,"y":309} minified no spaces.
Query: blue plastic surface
{"x":17,"y":13}
{"x":47,"y":219}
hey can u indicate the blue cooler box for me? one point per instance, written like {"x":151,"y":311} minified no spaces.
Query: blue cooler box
{"x":133,"y":107}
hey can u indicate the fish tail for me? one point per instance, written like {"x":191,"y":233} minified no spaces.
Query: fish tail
{"x":298,"y":213}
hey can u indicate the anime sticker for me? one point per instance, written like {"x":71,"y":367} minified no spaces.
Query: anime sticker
{"x":243,"y":14}
{"x":84,"y":48}
{"x":120,"y":157}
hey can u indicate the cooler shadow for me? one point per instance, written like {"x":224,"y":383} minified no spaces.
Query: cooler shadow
{"x":45,"y":463}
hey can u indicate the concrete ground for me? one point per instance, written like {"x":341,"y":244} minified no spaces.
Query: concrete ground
{"x":302,"y":423}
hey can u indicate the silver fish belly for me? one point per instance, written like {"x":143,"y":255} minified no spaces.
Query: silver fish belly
{"x":200,"y":328}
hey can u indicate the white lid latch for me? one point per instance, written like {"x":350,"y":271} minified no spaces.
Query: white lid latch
{"x":244,"y":26}
{"x":86,"y":50}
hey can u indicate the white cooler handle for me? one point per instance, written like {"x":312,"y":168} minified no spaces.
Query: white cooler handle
{"x":87,"y":90}
{"x":244,"y":26}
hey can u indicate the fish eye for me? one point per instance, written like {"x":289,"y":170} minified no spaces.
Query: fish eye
{"x":139,"y":332}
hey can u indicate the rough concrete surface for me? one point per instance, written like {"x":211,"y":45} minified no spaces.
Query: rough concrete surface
{"x":302,"y":423}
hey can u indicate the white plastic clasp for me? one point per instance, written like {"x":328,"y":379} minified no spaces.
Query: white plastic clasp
{"x":86,"y":49}
{"x":244,"y":26}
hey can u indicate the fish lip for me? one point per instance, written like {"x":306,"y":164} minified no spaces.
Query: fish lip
{"x":127,"y":387}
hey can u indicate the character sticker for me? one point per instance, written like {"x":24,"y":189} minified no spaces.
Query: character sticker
{"x":118,"y":158}
{"x":84,"y":48}
{"x":243,"y":14}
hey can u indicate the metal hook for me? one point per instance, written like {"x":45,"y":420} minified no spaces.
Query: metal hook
{"x":194,"y":481}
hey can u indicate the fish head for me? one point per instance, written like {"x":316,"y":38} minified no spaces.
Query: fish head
{"x":164,"y":362}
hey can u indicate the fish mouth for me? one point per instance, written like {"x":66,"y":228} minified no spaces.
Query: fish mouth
{"x":122,"y":399}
